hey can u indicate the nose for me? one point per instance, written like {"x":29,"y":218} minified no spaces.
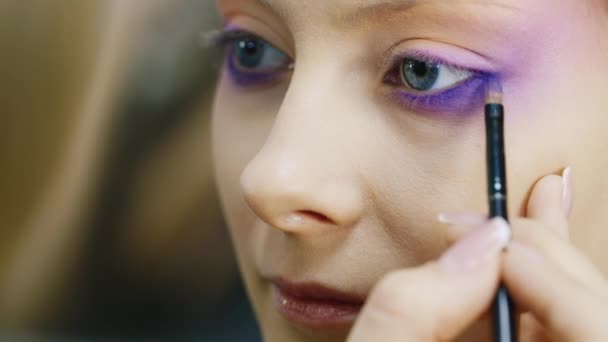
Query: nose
{"x":303,"y":181}
{"x":293,"y":190}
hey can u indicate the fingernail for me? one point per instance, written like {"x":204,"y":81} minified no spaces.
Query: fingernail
{"x":567,"y":191}
{"x":475,"y":248}
{"x":462,"y":218}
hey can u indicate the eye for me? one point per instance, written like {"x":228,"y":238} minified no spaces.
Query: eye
{"x":426,"y":84}
{"x":425,"y":76}
{"x":250,"y":59}
{"x":253,"y":54}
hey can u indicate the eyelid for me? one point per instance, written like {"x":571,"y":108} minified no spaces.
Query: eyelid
{"x":396,"y":60}
{"x":223,"y":37}
{"x":226,"y":36}
{"x":265,"y":28}
{"x":438,"y":52}
{"x":462,"y":97}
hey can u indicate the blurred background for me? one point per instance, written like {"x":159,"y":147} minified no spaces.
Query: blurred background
{"x":111,"y":227}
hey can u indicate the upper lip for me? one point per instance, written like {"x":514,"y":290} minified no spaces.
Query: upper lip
{"x":317,"y":292}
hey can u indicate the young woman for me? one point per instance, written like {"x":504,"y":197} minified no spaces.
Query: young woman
{"x":343,"y":129}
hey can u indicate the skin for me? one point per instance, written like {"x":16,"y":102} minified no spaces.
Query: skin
{"x":325,"y":178}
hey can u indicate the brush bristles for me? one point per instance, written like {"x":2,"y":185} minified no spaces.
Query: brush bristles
{"x":494,"y":92}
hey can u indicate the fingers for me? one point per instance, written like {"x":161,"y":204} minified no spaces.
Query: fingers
{"x":552,"y":246}
{"x":530,"y":330}
{"x":561,"y":252}
{"x":436,"y":301}
{"x":568,"y":195}
{"x":550,"y":202}
{"x":470,"y":219}
{"x":545,"y":273}
{"x":566,"y":308}
{"x":545,"y":228}
{"x":548,"y":208}
{"x":546,"y":204}
{"x":460,"y":224}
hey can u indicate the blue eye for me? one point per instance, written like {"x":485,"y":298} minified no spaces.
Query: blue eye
{"x":427,"y":84}
{"x":252,"y":60}
{"x":425,"y":76}
{"x":256,"y":54}
{"x":418,"y":74}
{"x":249,"y":53}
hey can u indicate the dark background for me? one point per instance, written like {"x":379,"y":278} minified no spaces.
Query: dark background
{"x":153,"y":260}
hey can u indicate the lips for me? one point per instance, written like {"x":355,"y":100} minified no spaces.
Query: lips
{"x":314,"y":305}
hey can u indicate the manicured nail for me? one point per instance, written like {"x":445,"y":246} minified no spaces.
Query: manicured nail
{"x":475,"y":248}
{"x":462,"y":218}
{"x":567,"y":191}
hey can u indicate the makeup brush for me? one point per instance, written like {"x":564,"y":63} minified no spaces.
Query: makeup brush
{"x":503,"y":308}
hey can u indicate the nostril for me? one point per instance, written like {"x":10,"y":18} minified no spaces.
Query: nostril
{"x":315,"y":216}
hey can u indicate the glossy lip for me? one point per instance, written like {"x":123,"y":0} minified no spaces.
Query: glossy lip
{"x":314,"y":305}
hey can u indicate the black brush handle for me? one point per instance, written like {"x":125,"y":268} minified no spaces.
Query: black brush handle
{"x":503,"y":308}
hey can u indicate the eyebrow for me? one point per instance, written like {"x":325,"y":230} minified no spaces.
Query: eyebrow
{"x":371,"y":11}
{"x":364,"y":12}
{"x":274,"y":8}
{"x":266,"y":3}
{"x":378,"y":11}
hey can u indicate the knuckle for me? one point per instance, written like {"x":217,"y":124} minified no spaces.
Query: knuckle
{"x":398,"y":297}
{"x":391,"y":295}
{"x":592,"y":322}
{"x":582,"y":321}
{"x":531,"y":232}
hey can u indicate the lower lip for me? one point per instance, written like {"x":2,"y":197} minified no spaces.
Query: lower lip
{"x":315,"y":313}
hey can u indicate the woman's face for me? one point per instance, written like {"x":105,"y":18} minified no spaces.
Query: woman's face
{"x":342,"y":128}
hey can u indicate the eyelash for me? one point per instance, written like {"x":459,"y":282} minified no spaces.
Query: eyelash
{"x":463,"y":97}
{"x":224,"y":39}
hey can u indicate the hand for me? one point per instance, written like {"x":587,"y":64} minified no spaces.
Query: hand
{"x":564,"y":296}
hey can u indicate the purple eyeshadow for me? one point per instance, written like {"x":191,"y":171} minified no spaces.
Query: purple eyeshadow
{"x":464,"y":98}
{"x":245,"y":78}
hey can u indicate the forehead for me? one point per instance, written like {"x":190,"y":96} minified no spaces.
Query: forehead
{"x":321,"y":21}
{"x":343,"y":8}
{"x":298,"y":13}
{"x":364,"y":3}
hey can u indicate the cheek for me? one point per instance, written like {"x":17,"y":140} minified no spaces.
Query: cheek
{"x":241,"y":122}
{"x":420,"y":169}
{"x":557,"y":121}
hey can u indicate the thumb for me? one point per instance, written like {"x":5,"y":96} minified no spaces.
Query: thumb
{"x":439,"y":300}
{"x":548,"y":205}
